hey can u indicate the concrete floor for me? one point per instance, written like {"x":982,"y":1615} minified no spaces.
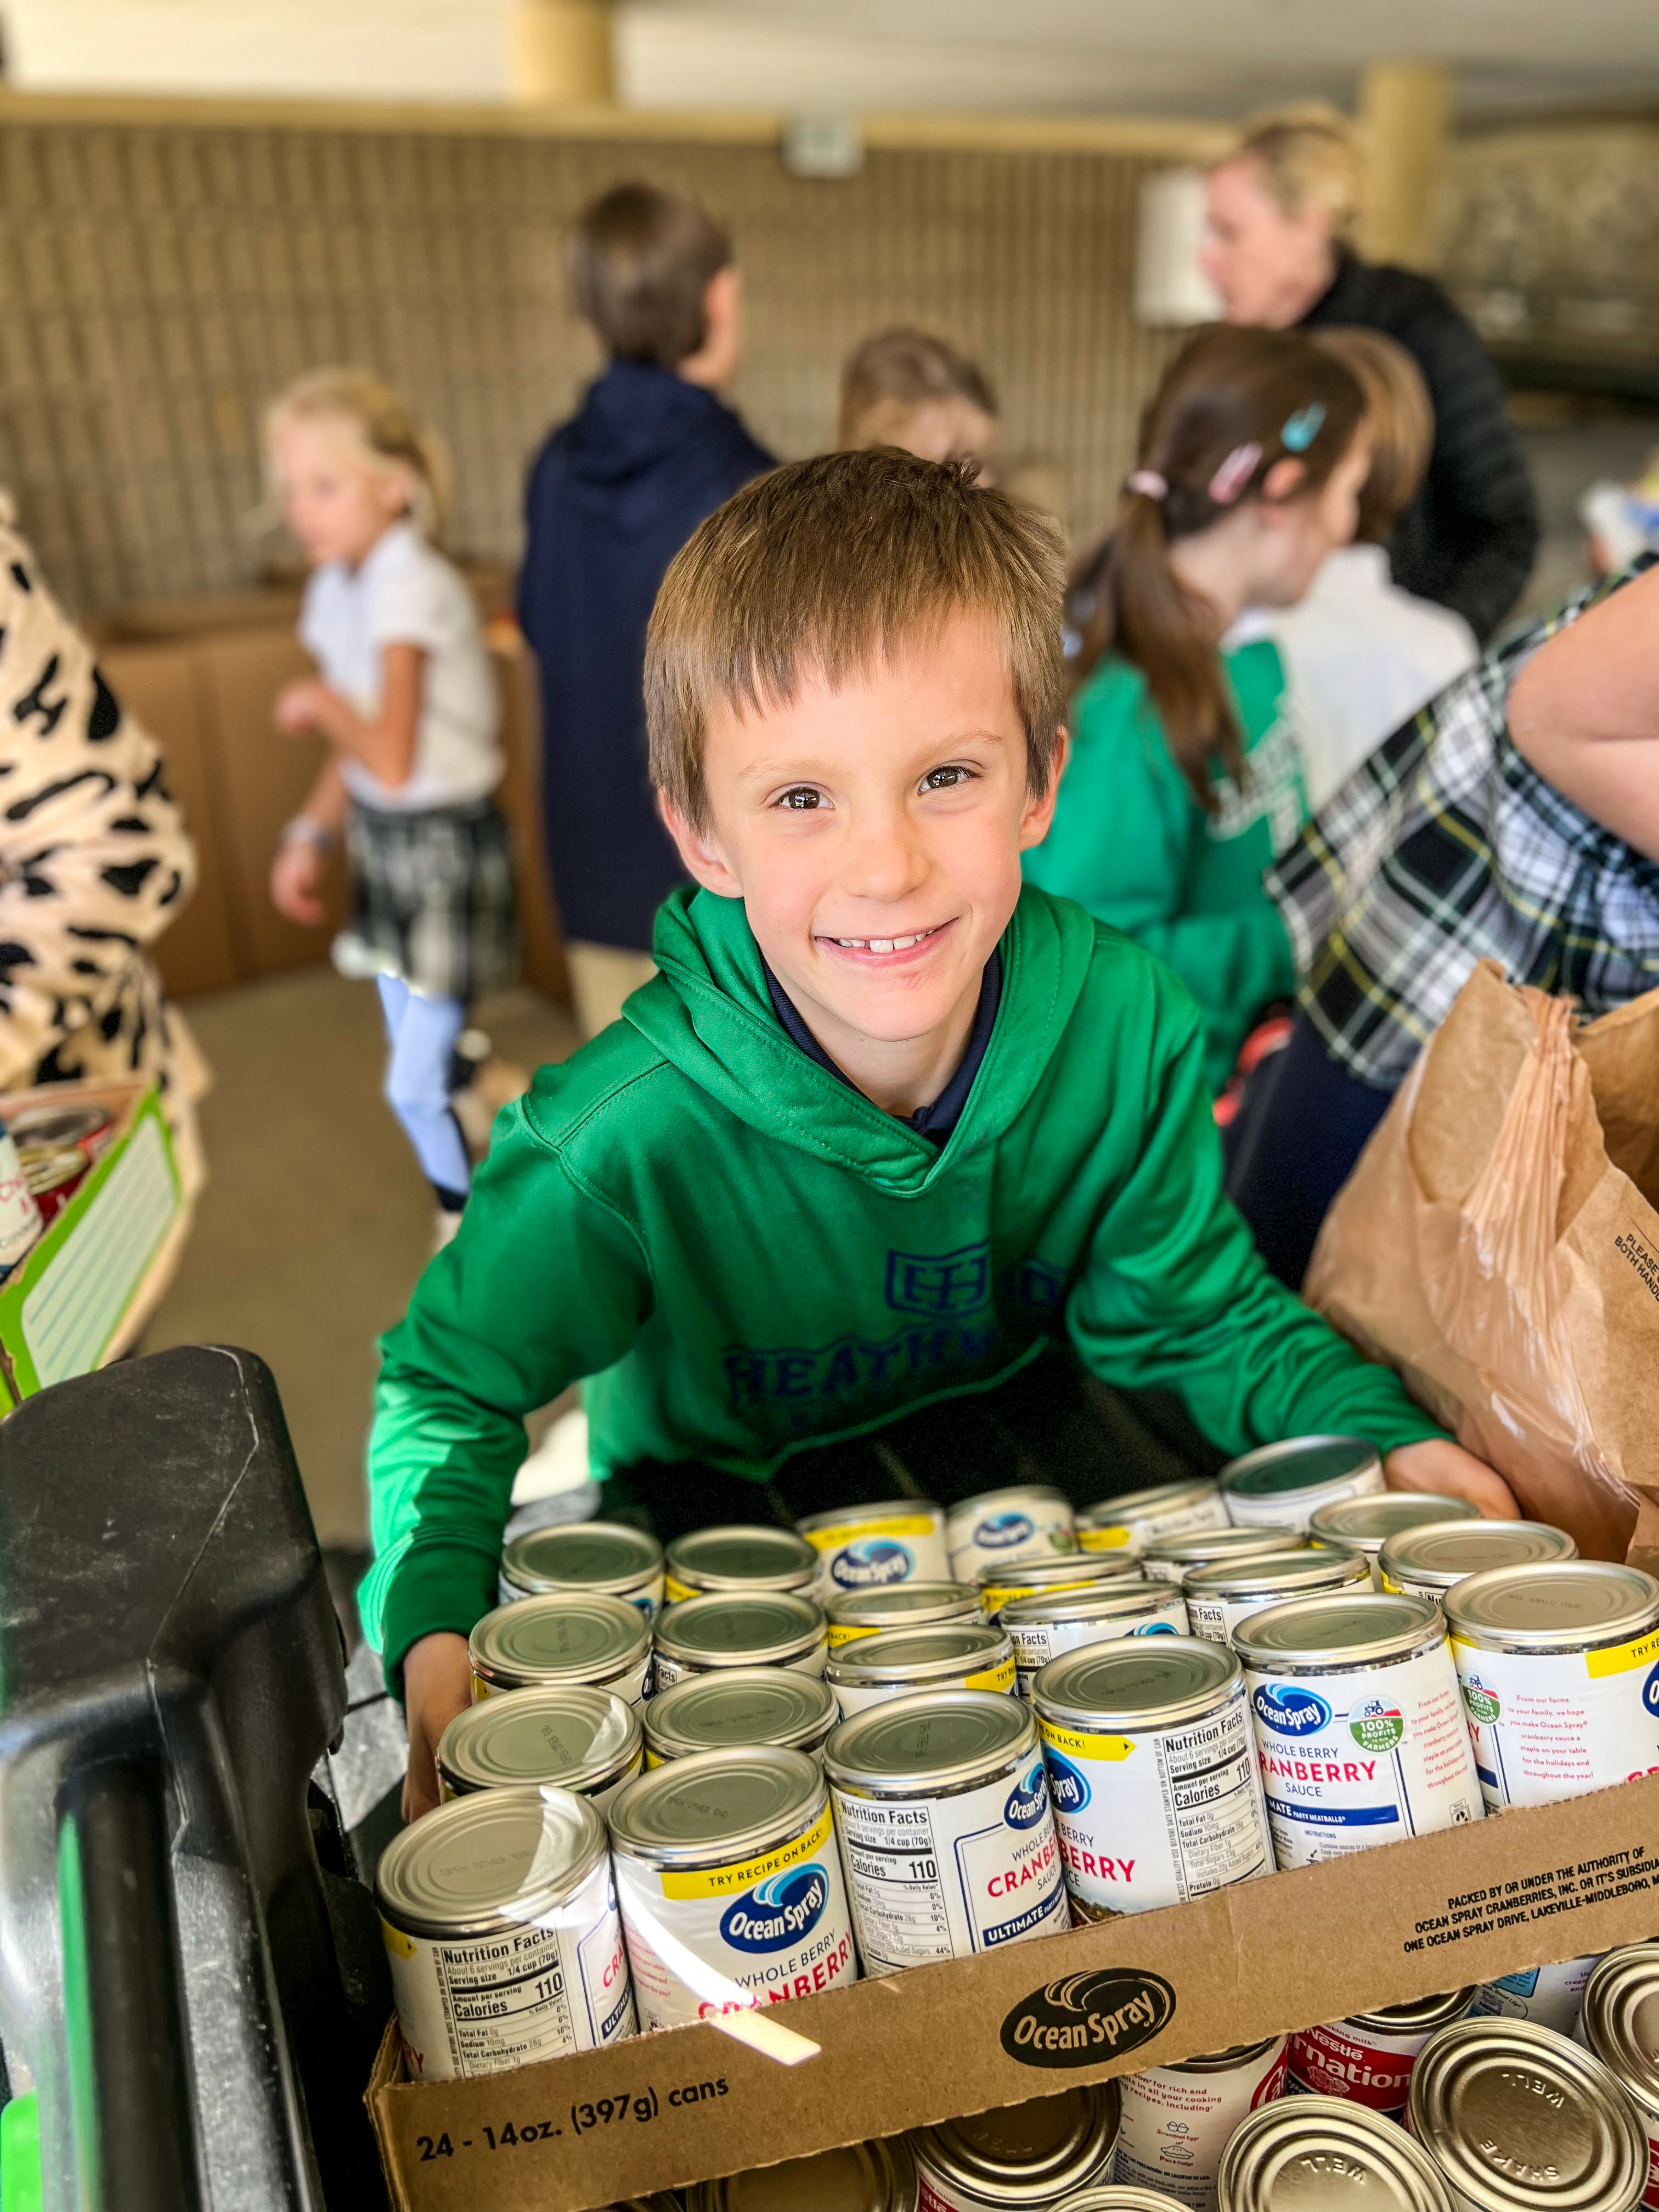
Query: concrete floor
{"x":316,"y":1221}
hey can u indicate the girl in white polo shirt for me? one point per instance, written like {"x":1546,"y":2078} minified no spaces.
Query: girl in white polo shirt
{"x":407,"y":701}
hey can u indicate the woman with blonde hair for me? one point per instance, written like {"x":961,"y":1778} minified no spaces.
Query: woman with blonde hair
{"x":1282,"y":209}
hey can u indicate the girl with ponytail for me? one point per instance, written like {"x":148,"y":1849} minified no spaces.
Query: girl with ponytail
{"x":1185,"y":778}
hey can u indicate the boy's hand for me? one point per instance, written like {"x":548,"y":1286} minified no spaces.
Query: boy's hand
{"x":296,"y":876}
{"x":437,"y":1684}
{"x":1446,"y":1468}
{"x":301,"y":707}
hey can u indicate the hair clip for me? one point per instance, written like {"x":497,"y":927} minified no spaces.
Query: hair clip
{"x":1147,"y":483}
{"x":1303,"y":428}
{"x":1235,"y":472}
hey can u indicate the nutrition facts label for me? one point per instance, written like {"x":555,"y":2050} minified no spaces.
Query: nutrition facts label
{"x":495,"y":2017}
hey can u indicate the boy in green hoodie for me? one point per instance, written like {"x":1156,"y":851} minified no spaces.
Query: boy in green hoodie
{"x":759,"y":1213}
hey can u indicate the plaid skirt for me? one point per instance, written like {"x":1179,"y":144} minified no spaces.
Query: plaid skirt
{"x":432,"y":899}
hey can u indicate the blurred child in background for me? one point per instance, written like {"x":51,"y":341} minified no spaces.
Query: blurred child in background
{"x":906,"y":389}
{"x":1186,"y":777}
{"x":407,"y":701}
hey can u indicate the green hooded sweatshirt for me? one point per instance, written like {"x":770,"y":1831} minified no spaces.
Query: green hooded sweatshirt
{"x":743,"y":1255}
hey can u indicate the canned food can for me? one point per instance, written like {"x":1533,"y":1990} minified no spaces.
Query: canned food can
{"x":1290,"y":1482}
{"x":1549,"y":1996}
{"x":19,"y":1215}
{"x":951,"y":1655}
{"x":1621,"y":2027}
{"x":1178,"y":2120}
{"x":1033,"y":2156}
{"x":1219,"y":1597}
{"x":1559,"y":1667}
{"x":1076,"y":1570}
{"x":1139,"y":1517}
{"x":1368,"y":2058}
{"x":942,"y":1808}
{"x":499,"y":1915}
{"x":1518,"y":2119}
{"x":871,"y":1547}
{"x":83,"y":1129}
{"x":568,"y":1737}
{"x":866,"y":2176}
{"x":601,"y":1557}
{"x":730,"y":1884}
{"x":1325,"y":2154}
{"x":1354,"y":1698}
{"x":744,"y":1628}
{"x":1118,"y":2197}
{"x":1172,"y":1558}
{"x":1042,"y":1627}
{"x":1364,"y":1524}
{"x":1153,"y":1773}
{"x":1427,"y":1562}
{"x":1001,"y":1526}
{"x":904,"y":1605}
{"x":536,"y":1642}
{"x":739,"y":1557}
{"x":754,"y":1705}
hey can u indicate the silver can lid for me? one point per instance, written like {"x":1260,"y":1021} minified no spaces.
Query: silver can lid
{"x":564,"y":1633}
{"x":494,"y":1860}
{"x":1443,"y":1555}
{"x":743,"y":1558}
{"x":1326,"y":2154}
{"x":1366,"y":1523}
{"x":902,"y":1605}
{"x":715,"y":1807}
{"x":1025,"y":2154}
{"x":1563,"y":1602}
{"x":1521,"y":2119}
{"x":1422,"y":2016}
{"x":758,"y":1705}
{"x":596,"y":1555}
{"x":1299,"y":1463}
{"x":868,"y":2176}
{"x":1199,"y":1547}
{"x":1291,"y":1573}
{"x":740,"y":1628}
{"x":569,"y":1735}
{"x":1118,"y":1601}
{"x":941,"y":1650}
{"x":1621,"y":2018}
{"x":930,"y":1740}
{"x":1119,"y":2197}
{"x":1139,"y":1681}
{"x":1223,"y":2061}
{"x":1060,"y":1570}
{"x":848,"y":1516}
{"x":1140,"y":1504}
{"x":1348,"y":1629}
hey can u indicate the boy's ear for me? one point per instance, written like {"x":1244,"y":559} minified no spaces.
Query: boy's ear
{"x":704,"y":861}
{"x":1039,"y":812}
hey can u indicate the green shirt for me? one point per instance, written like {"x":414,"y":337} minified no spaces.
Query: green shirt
{"x":746,"y":1255}
{"x":1131,"y":843}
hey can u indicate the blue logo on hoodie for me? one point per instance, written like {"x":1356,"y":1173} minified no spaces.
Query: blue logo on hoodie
{"x":940,"y":1283}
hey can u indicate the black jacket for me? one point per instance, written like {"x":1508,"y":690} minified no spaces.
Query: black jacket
{"x":612,"y":496}
{"x":1469,"y":538}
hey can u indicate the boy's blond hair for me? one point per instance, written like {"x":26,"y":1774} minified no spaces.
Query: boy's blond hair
{"x":1400,"y":416}
{"x":382,"y":422}
{"x":891,"y":376}
{"x":1309,"y":155}
{"x":826,"y":567}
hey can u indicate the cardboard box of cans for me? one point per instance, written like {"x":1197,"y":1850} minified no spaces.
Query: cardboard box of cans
{"x":944,"y":1846}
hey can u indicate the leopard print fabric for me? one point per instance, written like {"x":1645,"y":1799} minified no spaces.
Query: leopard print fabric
{"x":94,"y":863}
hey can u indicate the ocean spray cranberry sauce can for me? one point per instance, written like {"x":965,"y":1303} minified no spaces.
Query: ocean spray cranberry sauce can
{"x":1178,"y":2120}
{"x":1153,"y":1770}
{"x":739,"y":1557}
{"x":1001,"y":1526}
{"x":1558,"y":1665}
{"x":602,"y":1557}
{"x":1072,"y":1571}
{"x":951,"y":1655}
{"x":756,"y":1705}
{"x":903,"y":1605}
{"x":1427,"y":1561}
{"x":1550,"y":1997}
{"x":1621,"y":2026}
{"x":942,"y":1809}
{"x":567,"y":1737}
{"x":1323,"y":2154}
{"x":866,"y":2176}
{"x":740,"y":1628}
{"x":1288,"y":1482}
{"x":730,"y":1885}
{"x":1138,"y":1517}
{"x":1172,"y":1558}
{"x":1362,"y":1741}
{"x":871,"y":1547}
{"x":1220,"y":1596}
{"x":1368,"y":2057}
{"x":500,"y":1921}
{"x":1031,"y":2156}
{"x":536,"y":1642}
{"x":1364,"y":1524}
{"x":1040,"y":1628}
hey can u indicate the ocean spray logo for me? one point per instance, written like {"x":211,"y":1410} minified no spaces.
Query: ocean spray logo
{"x":779,"y":1913}
{"x":1028,"y":1801}
{"x":1088,"y":2017}
{"x":871,"y":1563}
{"x":1069,"y":1783}
{"x":1650,"y":1691}
{"x":1003,"y":1529}
{"x":1290,"y":1711}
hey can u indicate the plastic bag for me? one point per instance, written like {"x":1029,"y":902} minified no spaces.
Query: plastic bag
{"x":1497,"y":1243}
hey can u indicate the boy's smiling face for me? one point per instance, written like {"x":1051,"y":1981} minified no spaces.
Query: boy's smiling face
{"x":873,"y":833}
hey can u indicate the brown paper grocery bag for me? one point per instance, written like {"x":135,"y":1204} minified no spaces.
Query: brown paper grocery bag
{"x":1497,"y":1243}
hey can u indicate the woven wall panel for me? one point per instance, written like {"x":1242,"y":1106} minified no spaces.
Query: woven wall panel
{"x":162,"y":281}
